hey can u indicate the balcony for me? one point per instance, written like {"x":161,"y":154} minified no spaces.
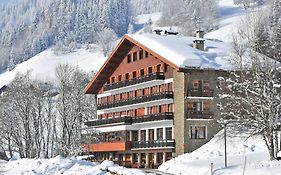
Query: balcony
{"x":120,"y":120}
{"x":154,"y":117}
{"x":137,"y":80}
{"x":107,"y":146}
{"x":154,"y":144}
{"x":193,"y":92}
{"x":127,"y":120}
{"x":191,"y":114}
{"x":135,"y":100}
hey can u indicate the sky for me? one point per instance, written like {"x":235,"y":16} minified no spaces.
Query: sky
{"x":5,"y":1}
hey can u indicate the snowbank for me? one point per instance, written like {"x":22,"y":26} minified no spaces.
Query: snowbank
{"x":67,"y":166}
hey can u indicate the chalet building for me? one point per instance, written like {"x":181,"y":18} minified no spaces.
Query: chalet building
{"x":156,"y":98}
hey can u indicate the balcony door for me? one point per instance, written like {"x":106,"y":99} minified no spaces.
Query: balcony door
{"x":158,"y":68}
{"x":151,"y":134}
{"x":135,"y":136}
{"x":143,"y":135}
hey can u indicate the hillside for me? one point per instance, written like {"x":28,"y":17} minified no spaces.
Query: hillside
{"x":43,"y":65}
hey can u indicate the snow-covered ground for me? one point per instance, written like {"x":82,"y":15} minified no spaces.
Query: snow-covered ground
{"x":230,"y":17}
{"x":239,"y":148}
{"x":43,"y":64}
{"x":66,"y":166}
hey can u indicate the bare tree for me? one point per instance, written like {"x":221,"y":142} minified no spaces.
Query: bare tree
{"x":251,"y":93}
{"x":73,"y":107}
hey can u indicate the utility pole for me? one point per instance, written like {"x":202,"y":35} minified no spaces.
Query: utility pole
{"x":225,"y":154}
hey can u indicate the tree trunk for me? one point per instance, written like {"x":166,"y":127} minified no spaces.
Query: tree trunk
{"x":3,"y":156}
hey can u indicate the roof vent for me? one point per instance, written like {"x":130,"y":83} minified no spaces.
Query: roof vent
{"x":171,"y":32}
{"x":157,"y":31}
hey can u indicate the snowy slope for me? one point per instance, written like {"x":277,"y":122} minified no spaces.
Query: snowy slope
{"x":238,"y":147}
{"x":43,"y":64}
{"x":229,"y":21}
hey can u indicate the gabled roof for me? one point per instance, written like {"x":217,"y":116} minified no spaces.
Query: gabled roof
{"x":176,"y":51}
{"x":114,"y":60}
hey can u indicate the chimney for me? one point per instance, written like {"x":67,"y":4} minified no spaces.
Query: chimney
{"x":199,"y":42}
{"x":199,"y":34}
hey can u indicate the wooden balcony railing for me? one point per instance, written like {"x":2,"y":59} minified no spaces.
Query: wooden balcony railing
{"x":135,"y":100}
{"x":137,"y":80}
{"x":154,"y":117}
{"x":154,"y":144}
{"x":127,"y":120}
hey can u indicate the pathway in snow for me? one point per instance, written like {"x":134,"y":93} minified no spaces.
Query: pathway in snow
{"x":2,"y":163}
{"x":157,"y":172}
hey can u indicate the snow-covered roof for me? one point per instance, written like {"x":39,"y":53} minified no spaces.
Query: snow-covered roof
{"x":179,"y":51}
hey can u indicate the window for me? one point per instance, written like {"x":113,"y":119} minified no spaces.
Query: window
{"x":127,"y":76}
{"x":142,"y":72}
{"x":100,"y":117}
{"x":165,"y":67}
{"x":198,"y":132}
{"x":195,"y":84}
{"x":146,"y":54}
{"x":195,"y":106}
{"x":159,"y":133}
{"x":206,"y":84}
{"x":134,"y":74}
{"x":168,"y":87}
{"x":128,"y":136}
{"x":112,"y":79}
{"x":151,"y":134}
{"x":150,"y":70}
{"x":143,"y":92}
{"x":158,"y":68}
{"x":143,"y":135}
{"x":119,"y":78}
{"x":141,"y":54}
{"x":170,"y":108}
{"x":159,"y":109}
{"x":129,"y":59}
{"x":206,"y":105}
{"x":135,"y":57}
{"x":169,"y":134}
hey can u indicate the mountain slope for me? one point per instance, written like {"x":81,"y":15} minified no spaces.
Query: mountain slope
{"x":43,"y":65}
